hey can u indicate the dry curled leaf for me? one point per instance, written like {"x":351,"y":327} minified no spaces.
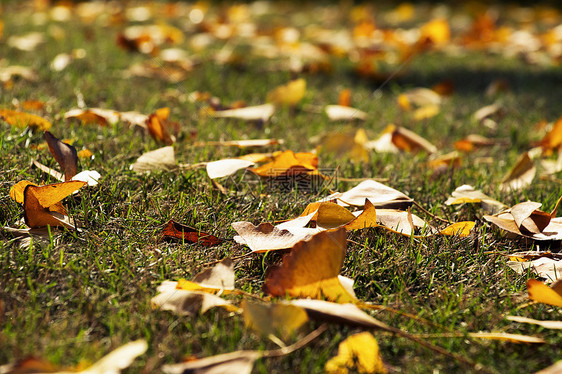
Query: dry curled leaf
{"x":521,"y":175}
{"x":187,"y":234}
{"x":380,"y":195}
{"x":42,"y":204}
{"x":159,"y":159}
{"x":466,"y":194}
{"x":65,"y":154}
{"x":159,"y":127}
{"x":266,"y":237}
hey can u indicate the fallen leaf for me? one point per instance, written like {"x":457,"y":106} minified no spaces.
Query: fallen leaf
{"x":273,"y":319}
{"x":367,"y":218}
{"x":512,"y":338}
{"x":348,"y":314}
{"x":159,"y":159}
{"x":288,"y":163}
{"x":16,"y":192}
{"x":380,"y":195}
{"x":187,"y":303}
{"x":328,"y":215}
{"x":266,"y":237}
{"x":159,"y":127}
{"x":488,"y":111}
{"x":236,"y":362}
{"x":418,"y":97}
{"x":22,"y":119}
{"x":359,"y":352}
{"x":553,"y":139}
{"x":344,"y":98}
{"x":98,"y":116}
{"x":219,"y":278}
{"x":521,"y":175}
{"x":541,"y":293}
{"x":226,"y":167}
{"x":251,"y":113}
{"x":401,"y":139}
{"x":344,"y":113}
{"x":115,"y":361}
{"x":311,"y":269}
{"x":42,"y":204}
{"x":240,"y":362}
{"x":64,"y":154}
{"x":436,"y":31}
{"x":555,"y":325}
{"x":187,"y":234}
{"x":473,"y":141}
{"x":289,"y":94}
{"x":27,"y":42}
{"x":467,"y":194}
{"x":8,"y":72}
{"x":89,"y":176}
{"x":425,"y":112}
{"x":345,"y":144}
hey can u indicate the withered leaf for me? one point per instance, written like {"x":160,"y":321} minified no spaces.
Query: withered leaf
{"x":65,"y":154}
{"x":311,"y":269}
{"x":273,"y":319}
{"x":187,"y":234}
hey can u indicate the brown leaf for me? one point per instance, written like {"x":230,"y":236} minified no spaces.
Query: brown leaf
{"x":98,"y":116}
{"x":553,"y":139}
{"x":187,"y":234}
{"x":64,"y":154}
{"x":521,"y":175}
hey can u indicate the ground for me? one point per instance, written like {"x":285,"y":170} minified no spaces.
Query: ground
{"x":82,"y":294}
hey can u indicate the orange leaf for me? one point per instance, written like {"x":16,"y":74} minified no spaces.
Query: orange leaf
{"x":311,"y":269}
{"x":40,"y":202}
{"x":541,"y":293}
{"x":16,"y":192}
{"x":158,"y":125}
{"x":288,"y":162}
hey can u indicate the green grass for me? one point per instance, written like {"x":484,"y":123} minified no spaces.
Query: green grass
{"x":81,"y":295}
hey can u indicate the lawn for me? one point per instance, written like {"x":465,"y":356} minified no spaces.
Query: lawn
{"x":75,"y":296}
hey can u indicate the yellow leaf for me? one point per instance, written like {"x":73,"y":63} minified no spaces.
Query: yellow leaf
{"x":21,"y":119}
{"x":437,"y":31}
{"x":289,"y":94}
{"x":360,"y":353}
{"x":368,"y":218}
{"x":541,"y":293}
{"x":16,"y":192}
{"x":273,"y":319}
{"x":426,"y":112}
{"x":328,"y":215}
{"x":461,"y":229}
{"x":311,"y":269}
{"x":288,"y":162}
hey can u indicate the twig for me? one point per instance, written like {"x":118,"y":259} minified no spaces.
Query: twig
{"x":298,"y":345}
{"x":430,"y":214}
